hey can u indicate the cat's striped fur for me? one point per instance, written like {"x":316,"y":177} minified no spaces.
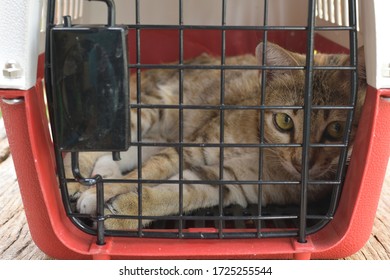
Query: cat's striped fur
{"x":241,"y":87}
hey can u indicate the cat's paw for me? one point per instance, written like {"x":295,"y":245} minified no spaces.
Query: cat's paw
{"x":124,"y":204}
{"x":107,"y":168}
{"x":75,"y":190}
{"x":86,"y":204}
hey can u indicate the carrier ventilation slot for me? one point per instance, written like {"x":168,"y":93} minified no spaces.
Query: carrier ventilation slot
{"x":335,"y":12}
{"x":72,"y":8}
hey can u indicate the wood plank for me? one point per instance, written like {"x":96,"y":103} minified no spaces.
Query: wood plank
{"x":378,"y":246}
{"x":15,"y":238}
{"x":16,"y":242}
{"x":4,"y":146}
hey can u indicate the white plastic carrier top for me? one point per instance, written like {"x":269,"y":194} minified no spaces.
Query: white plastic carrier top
{"x":21,"y":24}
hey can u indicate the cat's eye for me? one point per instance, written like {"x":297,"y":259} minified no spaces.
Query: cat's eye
{"x":335,"y":131}
{"x":283,"y":122}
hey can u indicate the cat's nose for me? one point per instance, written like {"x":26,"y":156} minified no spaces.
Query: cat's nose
{"x":297,"y":163}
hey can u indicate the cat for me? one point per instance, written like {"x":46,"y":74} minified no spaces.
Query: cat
{"x":201,"y":162}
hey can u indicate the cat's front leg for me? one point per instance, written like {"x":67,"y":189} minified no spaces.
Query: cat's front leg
{"x":108,"y":168}
{"x":160,"y":166}
{"x":86,"y":204}
{"x":164,"y":200}
{"x":127,"y":204}
{"x":161,"y":200}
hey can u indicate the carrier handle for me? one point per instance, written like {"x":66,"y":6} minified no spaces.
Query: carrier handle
{"x":111,"y":11}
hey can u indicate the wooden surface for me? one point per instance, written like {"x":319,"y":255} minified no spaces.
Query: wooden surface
{"x":16,"y":243}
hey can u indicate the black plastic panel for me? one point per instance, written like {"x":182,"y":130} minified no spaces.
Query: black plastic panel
{"x":91,"y":90}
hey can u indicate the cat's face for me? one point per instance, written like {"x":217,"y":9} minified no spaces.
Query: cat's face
{"x":286,"y":126}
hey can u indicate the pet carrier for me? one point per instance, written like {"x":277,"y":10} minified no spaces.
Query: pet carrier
{"x":88,"y":64}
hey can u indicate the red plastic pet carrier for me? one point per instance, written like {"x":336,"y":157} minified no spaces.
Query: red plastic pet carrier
{"x":172,"y":31}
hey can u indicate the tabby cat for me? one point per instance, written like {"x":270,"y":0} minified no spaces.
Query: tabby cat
{"x":202,"y":126}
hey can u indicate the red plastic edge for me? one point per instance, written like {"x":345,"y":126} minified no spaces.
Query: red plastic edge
{"x":31,"y":149}
{"x":353,"y":221}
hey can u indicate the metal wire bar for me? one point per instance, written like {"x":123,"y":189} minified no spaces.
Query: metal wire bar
{"x":262,"y":114}
{"x":232,"y":67}
{"x":181,"y":118}
{"x":236,"y":67}
{"x":307,"y":119}
{"x":211,"y":218}
{"x":238,"y":27}
{"x":239,"y":145}
{"x":111,"y":11}
{"x":100,"y":218}
{"x":139,"y":124}
{"x":96,"y":181}
{"x":239,"y":107}
{"x":207,"y":235}
{"x":213,"y":182}
{"x":222,"y":121}
{"x":228,"y":145}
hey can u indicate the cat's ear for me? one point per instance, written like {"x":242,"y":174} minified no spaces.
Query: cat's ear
{"x":361,"y":66}
{"x":270,"y":54}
